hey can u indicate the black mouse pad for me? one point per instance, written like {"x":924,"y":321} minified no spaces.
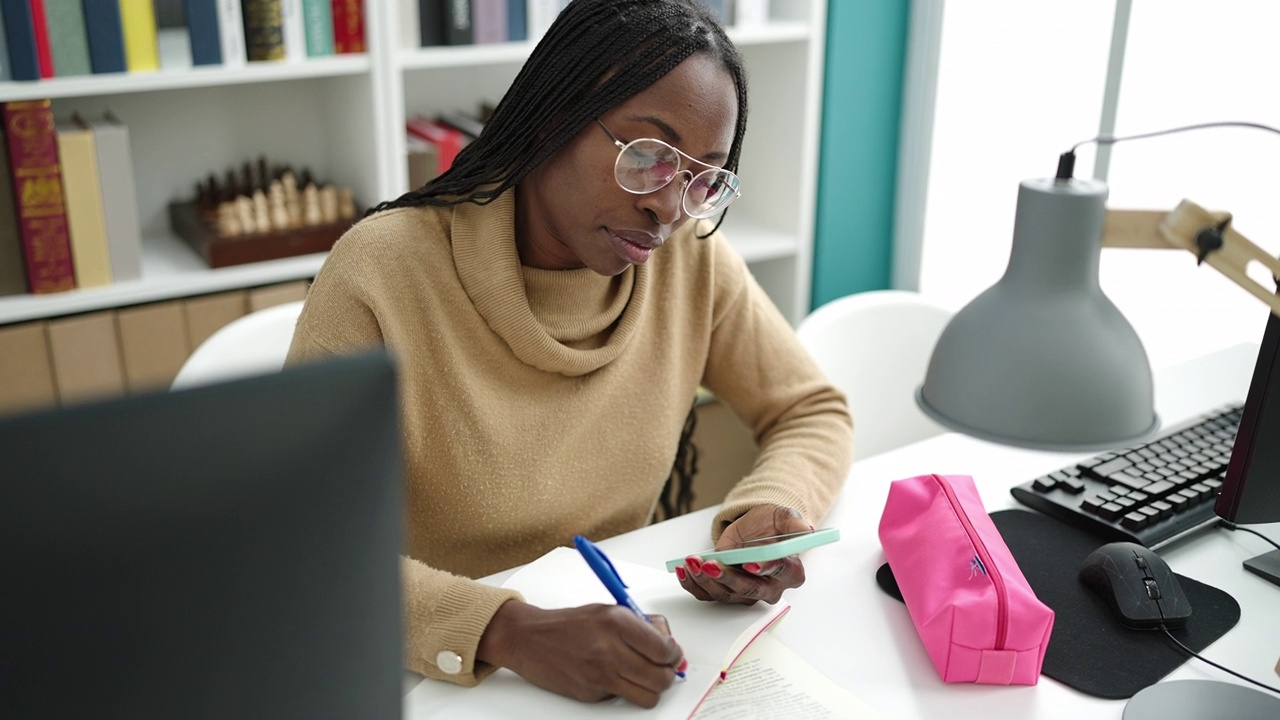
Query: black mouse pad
{"x":1089,"y":649}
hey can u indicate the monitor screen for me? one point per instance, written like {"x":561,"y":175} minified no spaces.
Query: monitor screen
{"x":228,"y":551}
{"x":1251,"y":487}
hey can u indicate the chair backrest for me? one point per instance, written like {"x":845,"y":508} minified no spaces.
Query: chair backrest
{"x":255,"y":344}
{"x":875,"y":346}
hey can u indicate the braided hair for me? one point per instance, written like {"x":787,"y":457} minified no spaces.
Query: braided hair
{"x":594,"y":56}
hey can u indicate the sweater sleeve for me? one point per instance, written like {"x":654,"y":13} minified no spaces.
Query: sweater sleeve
{"x":444,"y":615}
{"x":799,"y":419}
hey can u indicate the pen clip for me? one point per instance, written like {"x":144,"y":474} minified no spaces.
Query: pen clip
{"x":598,"y":560}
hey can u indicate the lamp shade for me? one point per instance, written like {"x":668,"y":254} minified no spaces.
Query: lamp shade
{"x":1043,"y":358}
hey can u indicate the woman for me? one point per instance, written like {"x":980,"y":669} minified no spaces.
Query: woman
{"x":553,"y":310}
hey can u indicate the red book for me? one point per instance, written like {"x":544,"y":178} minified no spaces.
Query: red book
{"x":348,"y":26}
{"x":44,"y":51}
{"x":37,"y":195}
{"x":448,"y":141}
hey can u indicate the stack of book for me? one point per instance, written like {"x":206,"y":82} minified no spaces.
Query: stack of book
{"x":432,"y":143}
{"x":68,"y":213}
{"x":62,"y":38}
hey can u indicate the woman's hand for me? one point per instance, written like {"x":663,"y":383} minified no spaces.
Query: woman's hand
{"x":588,"y":653}
{"x":745,"y":584}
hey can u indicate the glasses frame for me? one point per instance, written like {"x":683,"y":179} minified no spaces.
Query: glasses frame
{"x":680,"y":170}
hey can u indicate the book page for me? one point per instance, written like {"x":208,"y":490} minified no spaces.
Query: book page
{"x":770,"y":680}
{"x":707,"y":632}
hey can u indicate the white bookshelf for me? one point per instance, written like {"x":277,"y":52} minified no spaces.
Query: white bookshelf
{"x":343,"y":118}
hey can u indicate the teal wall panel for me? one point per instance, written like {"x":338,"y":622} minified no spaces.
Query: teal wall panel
{"x":857,"y":166}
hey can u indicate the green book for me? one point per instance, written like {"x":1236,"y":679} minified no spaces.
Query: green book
{"x":317,"y":16}
{"x":68,"y":38}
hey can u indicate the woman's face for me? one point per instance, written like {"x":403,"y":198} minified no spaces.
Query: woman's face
{"x":571,"y":213}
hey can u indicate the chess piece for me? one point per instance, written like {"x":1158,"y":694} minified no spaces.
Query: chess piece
{"x":292,"y":199}
{"x":329,"y":204}
{"x":230,"y":187}
{"x":311,"y":205}
{"x":275,"y":201}
{"x":228,"y":220}
{"x":346,"y":205}
{"x":261,"y":212}
{"x":244,"y":212}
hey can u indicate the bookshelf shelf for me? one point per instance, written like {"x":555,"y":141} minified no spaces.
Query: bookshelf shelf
{"x":343,"y":118}
{"x":182,"y":78}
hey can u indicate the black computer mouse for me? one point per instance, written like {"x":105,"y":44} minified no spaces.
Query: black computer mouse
{"x":1137,"y":584}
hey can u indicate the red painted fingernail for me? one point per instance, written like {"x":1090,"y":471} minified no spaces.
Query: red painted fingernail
{"x":752,"y":567}
{"x":694,"y":564}
{"x":712,"y":570}
{"x":680,"y":573}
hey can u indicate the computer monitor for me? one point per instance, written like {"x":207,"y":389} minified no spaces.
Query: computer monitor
{"x":1251,"y":487}
{"x":229,"y":551}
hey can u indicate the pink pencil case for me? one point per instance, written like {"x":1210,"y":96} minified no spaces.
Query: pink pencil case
{"x":972,"y":607}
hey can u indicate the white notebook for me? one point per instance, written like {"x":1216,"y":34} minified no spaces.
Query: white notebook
{"x":713,"y":636}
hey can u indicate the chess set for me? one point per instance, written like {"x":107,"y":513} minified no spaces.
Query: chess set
{"x":262,"y":213}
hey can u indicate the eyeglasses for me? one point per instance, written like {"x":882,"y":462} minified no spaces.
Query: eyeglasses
{"x":648,"y":165}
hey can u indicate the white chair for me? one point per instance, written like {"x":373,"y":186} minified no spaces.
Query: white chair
{"x":255,"y":344}
{"x":875,"y":346}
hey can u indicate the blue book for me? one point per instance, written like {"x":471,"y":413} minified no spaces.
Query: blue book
{"x":20,"y":36}
{"x":202,"y":24}
{"x":5,"y":72}
{"x":106,"y":39}
{"x":517,"y":26}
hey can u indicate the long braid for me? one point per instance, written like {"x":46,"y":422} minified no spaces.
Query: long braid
{"x":676,"y":497}
{"x":595,"y":55}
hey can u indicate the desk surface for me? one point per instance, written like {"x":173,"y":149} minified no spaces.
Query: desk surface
{"x":864,"y":641}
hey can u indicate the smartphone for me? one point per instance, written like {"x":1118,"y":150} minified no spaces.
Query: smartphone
{"x":765,"y":549}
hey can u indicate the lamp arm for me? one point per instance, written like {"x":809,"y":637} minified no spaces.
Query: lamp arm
{"x":1192,"y":228}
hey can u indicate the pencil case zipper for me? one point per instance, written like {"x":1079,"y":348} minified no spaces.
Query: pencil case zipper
{"x":991,"y":571}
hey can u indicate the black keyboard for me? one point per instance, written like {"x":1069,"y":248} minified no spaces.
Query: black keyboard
{"x":1149,"y":494}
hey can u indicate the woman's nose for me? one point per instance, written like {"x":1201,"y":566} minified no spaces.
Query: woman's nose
{"x":666,"y":203}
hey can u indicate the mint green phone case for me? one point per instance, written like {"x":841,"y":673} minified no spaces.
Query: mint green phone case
{"x":765,"y":551}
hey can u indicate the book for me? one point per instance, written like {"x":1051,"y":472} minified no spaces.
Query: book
{"x":202,"y":31}
{"x":541,"y":13}
{"x":457,"y":22}
{"x":40,"y":27}
{"x":294,"y":30}
{"x":68,"y":37}
{"x":431,"y":19}
{"x":263,"y":30}
{"x":448,"y":140}
{"x":119,"y":195}
{"x":28,"y":377}
{"x":407,"y":20}
{"x":138,"y":27}
{"x":348,"y":26}
{"x":37,"y":193}
{"x":6,"y":72}
{"x":517,"y":23}
{"x":20,"y":37}
{"x":105,"y":35}
{"x":13,"y":269}
{"x":713,"y":637}
{"x":317,"y":18}
{"x":153,"y":344}
{"x":488,"y":21}
{"x":82,"y":195}
{"x":85,"y":354}
{"x":231,"y":33}
{"x":422,"y":160}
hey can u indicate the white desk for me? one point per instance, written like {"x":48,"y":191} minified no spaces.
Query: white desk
{"x":862,"y":639}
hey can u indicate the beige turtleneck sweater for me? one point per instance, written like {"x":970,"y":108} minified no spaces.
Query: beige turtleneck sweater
{"x":538,"y":404}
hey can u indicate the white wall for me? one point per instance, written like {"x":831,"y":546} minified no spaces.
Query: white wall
{"x":1020,"y":82}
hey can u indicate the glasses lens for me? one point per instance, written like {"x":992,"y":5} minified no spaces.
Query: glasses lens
{"x":646,"y":165}
{"x":710,"y":192}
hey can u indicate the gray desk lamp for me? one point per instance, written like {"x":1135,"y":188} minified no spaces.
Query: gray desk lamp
{"x":1043,"y":359}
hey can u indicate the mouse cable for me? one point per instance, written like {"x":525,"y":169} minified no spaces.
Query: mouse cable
{"x":1201,"y":658}
{"x":1232,"y":526}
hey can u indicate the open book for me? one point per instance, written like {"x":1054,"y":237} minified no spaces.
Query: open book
{"x":713,"y":636}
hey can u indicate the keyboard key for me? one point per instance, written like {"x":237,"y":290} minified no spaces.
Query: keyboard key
{"x":1044,"y":483}
{"x":1091,"y":504}
{"x":1075,"y":486}
{"x":1159,"y":489}
{"x":1107,"y":468}
{"x":1111,"y":511}
{"x":1134,"y":521}
{"x":1165,"y":508}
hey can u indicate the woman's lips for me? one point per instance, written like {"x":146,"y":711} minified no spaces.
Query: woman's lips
{"x":633,"y":247}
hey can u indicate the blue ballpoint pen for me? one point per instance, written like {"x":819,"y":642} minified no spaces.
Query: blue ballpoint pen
{"x":603,"y":568}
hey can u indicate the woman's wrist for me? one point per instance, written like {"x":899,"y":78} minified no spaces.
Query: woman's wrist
{"x":495,"y":643}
